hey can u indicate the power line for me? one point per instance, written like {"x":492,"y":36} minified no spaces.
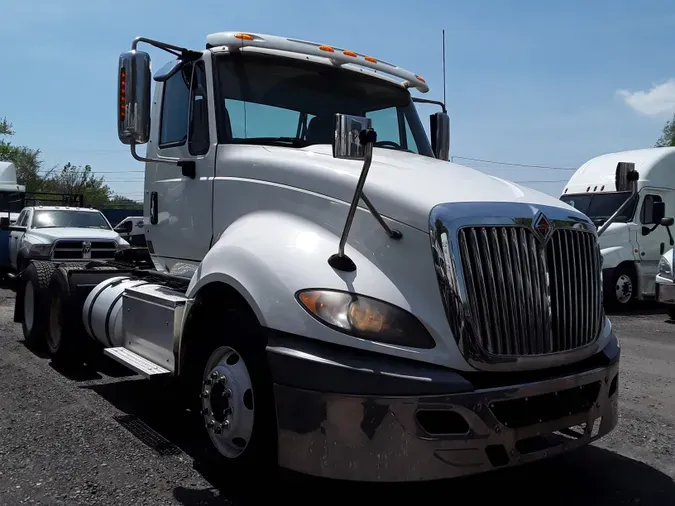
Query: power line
{"x":512,"y":164}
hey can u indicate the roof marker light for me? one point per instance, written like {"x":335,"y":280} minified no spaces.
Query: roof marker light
{"x":588,"y":189}
{"x":603,"y":188}
{"x":346,"y":52}
{"x":328,"y":49}
{"x":243,"y":36}
{"x":596,"y":188}
{"x":370,"y":59}
{"x":420,"y":78}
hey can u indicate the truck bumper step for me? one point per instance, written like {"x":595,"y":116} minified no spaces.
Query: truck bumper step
{"x":135,"y":362}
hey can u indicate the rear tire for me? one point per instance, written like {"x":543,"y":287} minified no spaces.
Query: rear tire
{"x":231,"y":389}
{"x":66,"y":337}
{"x":34,"y":295}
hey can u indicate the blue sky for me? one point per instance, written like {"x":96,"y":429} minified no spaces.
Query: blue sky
{"x":530,"y":82}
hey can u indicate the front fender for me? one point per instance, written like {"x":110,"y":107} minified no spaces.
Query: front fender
{"x":268,"y":256}
{"x":615,"y":255}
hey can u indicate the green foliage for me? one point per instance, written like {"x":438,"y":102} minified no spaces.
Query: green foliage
{"x":70,"y":179}
{"x":668,"y":136}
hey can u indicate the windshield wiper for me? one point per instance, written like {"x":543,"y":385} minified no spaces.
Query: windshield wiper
{"x":275,"y":141}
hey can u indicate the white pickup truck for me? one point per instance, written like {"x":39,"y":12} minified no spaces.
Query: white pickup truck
{"x":62,"y":234}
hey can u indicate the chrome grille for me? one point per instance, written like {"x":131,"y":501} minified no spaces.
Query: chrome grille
{"x":73,"y":249}
{"x":526,"y":297}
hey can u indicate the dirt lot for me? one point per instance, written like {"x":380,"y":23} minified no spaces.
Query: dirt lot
{"x":106,"y":437}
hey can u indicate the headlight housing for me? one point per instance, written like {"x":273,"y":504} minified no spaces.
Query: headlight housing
{"x":665,"y":270}
{"x":40,"y":249}
{"x":366,"y":318}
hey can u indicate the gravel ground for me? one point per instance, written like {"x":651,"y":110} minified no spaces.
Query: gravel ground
{"x":63,"y":441}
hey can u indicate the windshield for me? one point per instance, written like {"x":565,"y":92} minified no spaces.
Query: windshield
{"x":11,"y":202}
{"x":282,"y":101}
{"x":600,"y":206}
{"x":64,"y":218}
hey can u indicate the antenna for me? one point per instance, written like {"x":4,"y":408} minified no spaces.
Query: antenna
{"x":444,"y":103}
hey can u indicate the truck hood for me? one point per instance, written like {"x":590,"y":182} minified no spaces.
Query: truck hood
{"x":52,"y":234}
{"x":617,"y":234}
{"x":402,"y":186}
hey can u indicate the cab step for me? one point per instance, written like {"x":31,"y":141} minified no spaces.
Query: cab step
{"x":135,"y":362}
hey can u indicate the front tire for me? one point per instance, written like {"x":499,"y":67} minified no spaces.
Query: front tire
{"x":623,"y":289}
{"x":34,"y":293}
{"x":236,"y":401}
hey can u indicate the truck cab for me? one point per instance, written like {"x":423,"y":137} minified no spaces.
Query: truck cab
{"x":329,"y":294}
{"x":631,"y":246}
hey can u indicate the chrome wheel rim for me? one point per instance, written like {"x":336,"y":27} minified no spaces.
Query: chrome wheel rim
{"x":624,"y":288}
{"x":228,"y":402}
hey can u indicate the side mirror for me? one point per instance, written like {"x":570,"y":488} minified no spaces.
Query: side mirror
{"x":667,"y":222}
{"x":346,"y":142}
{"x":4,"y":223}
{"x":658,"y":211}
{"x":133,"y":97}
{"x":439,"y":123}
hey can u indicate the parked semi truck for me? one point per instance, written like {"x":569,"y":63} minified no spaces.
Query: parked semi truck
{"x":329,"y":293}
{"x":665,"y":282}
{"x":633,"y":244}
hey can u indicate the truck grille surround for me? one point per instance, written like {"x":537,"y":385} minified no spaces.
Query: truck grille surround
{"x":521,"y":284}
{"x":83,"y":249}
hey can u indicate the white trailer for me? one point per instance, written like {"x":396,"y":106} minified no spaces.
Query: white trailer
{"x":633,"y":244}
{"x":331,"y":294}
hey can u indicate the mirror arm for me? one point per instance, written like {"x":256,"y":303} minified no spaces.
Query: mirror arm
{"x":394,"y":234}
{"x":189,"y":167}
{"x":419,"y":100}
{"x":670,"y":236}
{"x":178,"y":51}
{"x":339,"y":260}
{"x":617,"y":213}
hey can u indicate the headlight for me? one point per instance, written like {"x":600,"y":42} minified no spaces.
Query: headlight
{"x":664,"y":268}
{"x":122,"y":244}
{"x":366,"y":318}
{"x":40,"y":249}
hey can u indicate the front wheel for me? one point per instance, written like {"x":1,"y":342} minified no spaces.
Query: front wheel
{"x":623,"y":289}
{"x":236,"y":403}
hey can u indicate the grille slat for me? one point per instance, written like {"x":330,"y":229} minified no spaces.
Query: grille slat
{"x":529,"y":298}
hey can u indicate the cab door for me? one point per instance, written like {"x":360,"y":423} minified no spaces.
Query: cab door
{"x":178,"y":204}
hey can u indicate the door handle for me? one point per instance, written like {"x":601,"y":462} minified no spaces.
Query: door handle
{"x":154,"y":214}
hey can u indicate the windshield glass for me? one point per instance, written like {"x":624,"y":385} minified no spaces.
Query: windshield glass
{"x":11,"y":202}
{"x":64,"y":218}
{"x":600,"y":206}
{"x":282,"y":101}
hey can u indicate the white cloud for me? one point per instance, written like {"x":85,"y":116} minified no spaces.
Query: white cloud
{"x":658,"y":101}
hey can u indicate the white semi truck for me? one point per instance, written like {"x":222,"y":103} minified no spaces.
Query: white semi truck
{"x":331,"y":294}
{"x":633,"y":243}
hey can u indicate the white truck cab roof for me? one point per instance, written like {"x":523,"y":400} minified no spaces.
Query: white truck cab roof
{"x":656,"y":167}
{"x":315,"y":52}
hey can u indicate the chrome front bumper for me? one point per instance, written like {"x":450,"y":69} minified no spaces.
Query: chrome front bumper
{"x":665,"y":293}
{"x":425,"y":437}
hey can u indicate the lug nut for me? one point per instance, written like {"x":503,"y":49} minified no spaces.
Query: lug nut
{"x":206,"y":393}
{"x":214,"y":375}
{"x":218,"y":429}
{"x":227,"y":393}
{"x":210,"y":424}
{"x":225,"y":425}
{"x":205,"y":411}
{"x":222,"y":379}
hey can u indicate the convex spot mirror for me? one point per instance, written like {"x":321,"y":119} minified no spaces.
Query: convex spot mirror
{"x":346,"y":141}
{"x":133,"y":97}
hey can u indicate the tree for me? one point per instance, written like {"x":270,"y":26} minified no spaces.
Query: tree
{"x":668,"y":136}
{"x":74,"y":180}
